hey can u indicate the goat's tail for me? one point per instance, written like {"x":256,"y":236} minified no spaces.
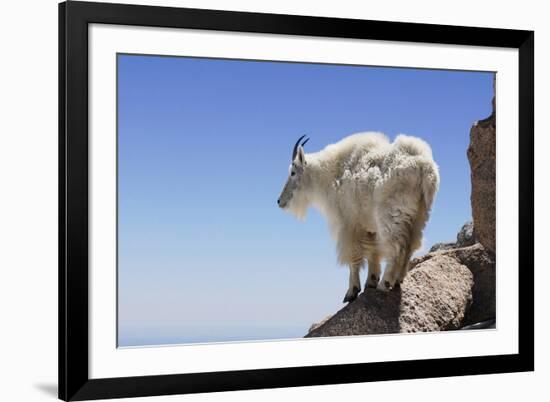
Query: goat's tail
{"x":430,"y":184}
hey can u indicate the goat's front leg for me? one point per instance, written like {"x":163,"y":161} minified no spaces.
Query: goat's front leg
{"x":354,"y":283}
{"x":350,"y":253}
{"x":390,"y":274}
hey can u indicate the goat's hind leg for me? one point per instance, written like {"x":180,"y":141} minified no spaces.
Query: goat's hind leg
{"x":401,"y":272}
{"x":390,"y":274}
{"x":403,"y":268}
{"x":397,"y":245}
{"x":414,"y":243}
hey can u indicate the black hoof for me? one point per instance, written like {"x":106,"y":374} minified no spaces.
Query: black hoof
{"x":351,"y":295}
{"x":372,"y":282}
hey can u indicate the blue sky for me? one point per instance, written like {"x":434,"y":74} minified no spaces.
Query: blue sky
{"x":204,"y":145}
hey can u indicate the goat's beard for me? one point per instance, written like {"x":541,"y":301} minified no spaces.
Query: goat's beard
{"x":298,"y":205}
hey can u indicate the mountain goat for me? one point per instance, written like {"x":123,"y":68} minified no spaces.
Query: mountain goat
{"x":375,"y":195}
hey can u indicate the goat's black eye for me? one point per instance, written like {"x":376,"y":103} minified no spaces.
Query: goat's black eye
{"x":292,"y":173}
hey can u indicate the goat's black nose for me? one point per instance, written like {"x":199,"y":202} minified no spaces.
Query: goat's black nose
{"x":278,"y":201}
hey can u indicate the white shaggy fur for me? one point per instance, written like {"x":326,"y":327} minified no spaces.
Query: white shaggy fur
{"x":376,"y":197}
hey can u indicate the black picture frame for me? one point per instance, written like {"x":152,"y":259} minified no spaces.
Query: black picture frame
{"x":74,"y":381}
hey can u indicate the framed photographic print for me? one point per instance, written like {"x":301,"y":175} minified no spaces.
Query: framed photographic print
{"x":216,"y":168}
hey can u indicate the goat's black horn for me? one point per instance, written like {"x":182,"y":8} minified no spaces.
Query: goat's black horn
{"x":306,"y":140}
{"x":295,"y":150}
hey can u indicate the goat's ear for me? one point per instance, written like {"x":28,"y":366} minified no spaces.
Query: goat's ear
{"x":300,"y":156}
